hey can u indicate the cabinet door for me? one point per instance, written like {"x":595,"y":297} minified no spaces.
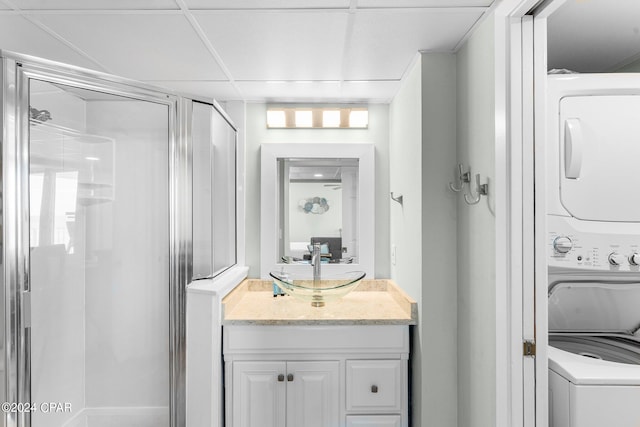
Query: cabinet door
{"x":258,"y":394}
{"x":313,"y":394}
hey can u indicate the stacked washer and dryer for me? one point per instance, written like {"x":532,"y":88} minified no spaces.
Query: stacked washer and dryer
{"x":593,"y":227}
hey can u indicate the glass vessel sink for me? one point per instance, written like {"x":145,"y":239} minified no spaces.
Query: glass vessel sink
{"x":328,"y":288}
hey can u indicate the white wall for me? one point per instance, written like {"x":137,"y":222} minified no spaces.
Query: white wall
{"x":423,"y":229}
{"x":405,"y":224}
{"x":257,"y":134}
{"x":439,"y":292}
{"x":476,"y":232}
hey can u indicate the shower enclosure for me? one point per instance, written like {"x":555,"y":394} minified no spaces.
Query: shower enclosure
{"x":96,"y":247}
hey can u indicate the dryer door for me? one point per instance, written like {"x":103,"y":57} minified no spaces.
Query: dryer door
{"x":600,"y":157}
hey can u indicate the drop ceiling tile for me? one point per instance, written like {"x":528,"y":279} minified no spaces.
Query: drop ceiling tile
{"x":422,"y":3}
{"x":95,"y":4}
{"x":384,"y":42}
{"x":220,"y":91}
{"x":290,"y":91}
{"x":266,"y":4}
{"x":381,"y":91}
{"x":143,"y":47}
{"x":19,"y":35}
{"x":269,"y":45}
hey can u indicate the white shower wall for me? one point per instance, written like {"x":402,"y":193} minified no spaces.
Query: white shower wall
{"x":120,"y":360}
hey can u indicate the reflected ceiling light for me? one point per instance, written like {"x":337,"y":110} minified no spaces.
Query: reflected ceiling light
{"x":317,"y":175}
{"x":95,"y":159}
{"x":331,"y":119}
{"x":304,"y":118}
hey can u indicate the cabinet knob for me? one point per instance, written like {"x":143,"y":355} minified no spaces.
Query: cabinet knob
{"x":290,"y":377}
{"x":374,"y":389}
{"x":280,"y":377}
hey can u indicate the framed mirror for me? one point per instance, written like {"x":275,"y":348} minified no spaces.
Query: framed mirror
{"x":317,"y":193}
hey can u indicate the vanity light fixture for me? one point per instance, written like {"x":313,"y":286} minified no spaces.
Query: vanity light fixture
{"x":331,"y":118}
{"x":358,"y":118}
{"x":276,"y":119}
{"x":317,"y":117}
{"x":304,"y":118}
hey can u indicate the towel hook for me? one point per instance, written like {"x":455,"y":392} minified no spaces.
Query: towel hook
{"x":463,"y":178}
{"x":396,"y":198}
{"x":481,"y":189}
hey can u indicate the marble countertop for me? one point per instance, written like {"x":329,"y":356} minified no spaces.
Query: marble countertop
{"x":373,"y":302}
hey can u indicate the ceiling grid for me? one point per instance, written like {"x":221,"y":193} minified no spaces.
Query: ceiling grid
{"x":253,"y":50}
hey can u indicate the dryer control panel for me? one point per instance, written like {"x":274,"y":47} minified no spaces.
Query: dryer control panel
{"x":589,"y":248}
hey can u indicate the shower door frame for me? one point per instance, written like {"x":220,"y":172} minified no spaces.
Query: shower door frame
{"x":16,"y":72}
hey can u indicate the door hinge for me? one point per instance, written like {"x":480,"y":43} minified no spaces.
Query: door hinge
{"x":529,"y":348}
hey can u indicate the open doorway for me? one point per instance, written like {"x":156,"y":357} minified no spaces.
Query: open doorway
{"x":588,"y":230}
{"x":572,"y":36}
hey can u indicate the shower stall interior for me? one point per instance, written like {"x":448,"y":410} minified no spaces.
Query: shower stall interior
{"x":97,"y":222}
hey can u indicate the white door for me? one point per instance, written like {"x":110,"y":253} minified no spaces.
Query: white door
{"x":258,"y":394}
{"x":313,"y":394}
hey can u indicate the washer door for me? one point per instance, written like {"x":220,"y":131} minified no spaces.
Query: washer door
{"x":594,"y":307}
{"x":599,"y":152}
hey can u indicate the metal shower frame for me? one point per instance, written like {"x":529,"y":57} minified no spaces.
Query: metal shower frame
{"x":15,"y":72}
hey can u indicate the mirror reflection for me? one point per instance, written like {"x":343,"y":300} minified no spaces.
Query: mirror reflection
{"x":318,"y":203}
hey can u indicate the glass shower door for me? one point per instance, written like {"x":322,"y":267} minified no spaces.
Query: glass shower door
{"x":99,"y":258}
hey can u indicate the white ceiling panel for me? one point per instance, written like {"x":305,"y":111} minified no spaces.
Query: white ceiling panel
{"x":221,"y":91}
{"x":278,"y":45}
{"x":143,"y":47}
{"x":385,"y":42}
{"x":380,"y":91}
{"x":290,"y":91}
{"x":593,"y":36}
{"x":423,"y":3}
{"x":266,"y":4}
{"x":19,"y":35}
{"x":94,"y":4}
{"x":275,"y":50}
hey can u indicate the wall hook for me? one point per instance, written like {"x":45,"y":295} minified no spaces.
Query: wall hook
{"x":481,"y":189}
{"x":396,"y":198}
{"x":463,"y":178}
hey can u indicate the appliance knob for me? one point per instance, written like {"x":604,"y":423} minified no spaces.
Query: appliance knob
{"x":616,"y":259}
{"x":562,"y":244}
{"x":634,"y":258}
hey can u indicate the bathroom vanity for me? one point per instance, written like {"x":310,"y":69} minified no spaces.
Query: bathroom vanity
{"x":290,"y":364}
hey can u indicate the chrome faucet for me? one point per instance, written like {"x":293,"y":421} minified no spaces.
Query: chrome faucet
{"x":315,"y":261}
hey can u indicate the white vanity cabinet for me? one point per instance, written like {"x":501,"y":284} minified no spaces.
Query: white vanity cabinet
{"x":316,"y":375}
{"x":272,"y":394}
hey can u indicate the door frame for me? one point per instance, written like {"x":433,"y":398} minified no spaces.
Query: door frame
{"x":521,"y":271}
